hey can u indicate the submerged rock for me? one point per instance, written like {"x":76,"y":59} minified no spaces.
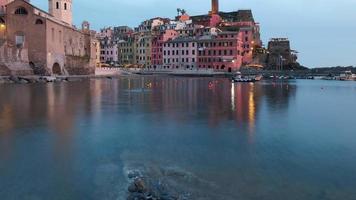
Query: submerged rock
{"x":149,"y":189}
{"x":138,"y":185}
{"x":134,"y":174}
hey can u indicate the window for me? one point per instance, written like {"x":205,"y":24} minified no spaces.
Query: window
{"x":21,"y":11}
{"x":65,"y":6}
{"x":60,"y":37}
{"x":39,"y":21}
{"x":57,"y":5}
{"x":52,"y":34}
{"x":20,"y":40}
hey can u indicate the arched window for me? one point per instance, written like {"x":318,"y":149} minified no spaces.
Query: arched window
{"x":21,"y":11}
{"x":57,"y":5}
{"x":39,"y":21}
{"x":65,"y":6}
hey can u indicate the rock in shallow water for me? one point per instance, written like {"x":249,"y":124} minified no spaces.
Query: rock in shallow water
{"x":138,"y":185}
{"x":134,"y":174}
{"x":145,"y":189}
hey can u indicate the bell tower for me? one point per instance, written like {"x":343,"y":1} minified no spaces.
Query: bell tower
{"x":214,"y":7}
{"x":61,"y":9}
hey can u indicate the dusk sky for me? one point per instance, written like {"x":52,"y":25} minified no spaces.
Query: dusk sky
{"x":323,"y":31}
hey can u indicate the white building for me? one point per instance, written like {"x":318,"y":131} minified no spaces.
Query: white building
{"x":180,"y":53}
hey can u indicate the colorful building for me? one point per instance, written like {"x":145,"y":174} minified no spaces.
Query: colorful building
{"x":143,"y":43}
{"x":157,"y":46}
{"x":109,"y":54}
{"x":126,"y":51}
{"x":222,"y":41}
{"x":180,"y":53}
{"x":221,"y":51}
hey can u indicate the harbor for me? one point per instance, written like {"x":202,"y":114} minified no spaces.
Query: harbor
{"x":177,"y":100}
{"x":184,"y":137}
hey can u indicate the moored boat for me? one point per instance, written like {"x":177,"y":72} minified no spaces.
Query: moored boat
{"x":239,"y":78}
{"x":348,"y":76}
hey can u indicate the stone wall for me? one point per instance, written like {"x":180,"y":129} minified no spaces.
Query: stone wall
{"x":79,"y":65}
{"x":14,"y":60}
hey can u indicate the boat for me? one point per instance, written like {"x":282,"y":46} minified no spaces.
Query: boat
{"x":238,"y":78}
{"x":329,"y":77}
{"x":347,"y":76}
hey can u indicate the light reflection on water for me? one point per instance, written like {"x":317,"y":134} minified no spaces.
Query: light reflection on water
{"x":249,"y":141}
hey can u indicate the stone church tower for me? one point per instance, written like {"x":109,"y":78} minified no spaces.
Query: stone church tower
{"x":61,"y":9}
{"x":214,"y":7}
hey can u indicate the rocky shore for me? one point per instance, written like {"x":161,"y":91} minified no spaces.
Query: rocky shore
{"x":46,"y":79}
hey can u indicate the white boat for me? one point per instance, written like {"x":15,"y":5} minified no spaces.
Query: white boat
{"x":238,"y":78}
{"x":348,"y":76}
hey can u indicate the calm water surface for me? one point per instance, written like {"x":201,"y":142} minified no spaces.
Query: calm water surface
{"x":270,"y":141}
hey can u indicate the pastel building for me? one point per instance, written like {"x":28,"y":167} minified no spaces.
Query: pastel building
{"x":157,"y":50}
{"x":180,"y":53}
{"x":143,"y":43}
{"x":109,"y":54}
{"x":157,"y":46}
{"x":126,"y":51}
{"x":221,"y":52}
{"x":243,"y":21}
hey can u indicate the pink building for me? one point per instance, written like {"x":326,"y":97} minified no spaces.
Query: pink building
{"x":180,"y":53}
{"x":157,"y":46}
{"x":221,"y":52}
{"x":251,"y":40}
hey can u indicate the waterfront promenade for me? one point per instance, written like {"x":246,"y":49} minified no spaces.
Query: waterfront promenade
{"x":117,"y":72}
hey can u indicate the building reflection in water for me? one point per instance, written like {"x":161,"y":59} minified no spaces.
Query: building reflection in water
{"x":248,"y":99}
{"x":251,"y":109}
{"x":245,"y":99}
{"x":181,"y":100}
